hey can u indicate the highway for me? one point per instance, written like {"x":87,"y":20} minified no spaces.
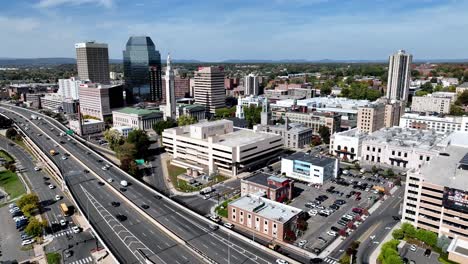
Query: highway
{"x":219,"y":245}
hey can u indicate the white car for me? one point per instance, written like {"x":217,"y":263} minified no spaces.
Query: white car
{"x":312,"y":212}
{"x":64,"y":157}
{"x":19,"y":218}
{"x":206,"y":197}
{"x":28,"y":241}
{"x":215,"y":218}
{"x":51,"y":186}
{"x":413,"y":248}
{"x":75,"y":229}
{"x":58,"y":197}
{"x":281,"y":261}
{"x":12,"y":205}
{"x":331,"y":233}
{"x":228,"y":225}
{"x":110,"y":180}
{"x":104,"y":168}
{"x":37,"y":168}
{"x":108,"y":166}
{"x":302,"y":243}
{"x":63,"y":222}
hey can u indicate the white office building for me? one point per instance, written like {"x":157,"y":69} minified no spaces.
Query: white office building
{"x":137,"y":118}
{"x":88,"y":126}
{"x":346,"y":145}
{"x":251,"y":84}
{"x":438,"y":102}
{"x":399,"y":76}
{"x":439,"y":124}
{"x":69,"y":88}
{"x":309,"y":168}
{"x":217,"y":147}
{"x":123,"y":130}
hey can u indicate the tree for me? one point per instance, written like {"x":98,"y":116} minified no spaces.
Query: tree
{"x":11,"y":133}
{"x":126,"y":150}
{"x":129,"y":165}
{"x":456,"y":110}
{"x":230,"y":101}
{"x":409,"y":230}
{"x":427,"y":87}
{"x":225,"y":112}
{"x":462,"y":98}
{"x":34,"y":227}
{"x":398,"y":234}
{"x":5,"y":122}
{"x":114,"y":138}
{"x":324,"y":133}
{"x":186,"y":120}
{"x":159,"y":127}
{"x":30,"y":198}
{"x":325,"y":90}
{"x":316,"y":141}
{"x":374,"y":169}
{"x":421,"y":93}
{"x":252,"y":115}
{"x":141,"y":141}
{"x":389,"y":173}
{"x":27,"y":209}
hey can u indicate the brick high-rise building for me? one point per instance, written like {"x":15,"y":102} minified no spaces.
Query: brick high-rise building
{"x":92,"y":60}
{"x":209,"y":88}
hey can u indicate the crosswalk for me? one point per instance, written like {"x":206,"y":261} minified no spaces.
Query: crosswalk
{"x":66,"y":232}
{"x":82,"y":261}
{"x":330,"y":260}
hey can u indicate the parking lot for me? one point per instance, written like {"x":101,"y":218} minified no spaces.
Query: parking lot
{"x":10,"y":239}
{"x":418,"y":256}
{"x":317,"y":234}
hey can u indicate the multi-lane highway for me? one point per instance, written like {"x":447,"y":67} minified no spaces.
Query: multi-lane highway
{"x":219,"y":245}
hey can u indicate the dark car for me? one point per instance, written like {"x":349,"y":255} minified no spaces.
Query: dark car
{"x":99,"y":160}
{"x":86,"y":171}
{"x":158,"y":197}
{"x":115,"y":204}
{"x":427,"y":253}
{"x":100,"y":183}
{"x":144,"y":206}
{"x":334,"y":228}
{"x":45,"y":178}
{"x":122,"y":189}
{"x":396,"y":218}
{"x":121,"y":217}
{"x":316,"y":260}
{"x":334,"y":207}
{"x":340,"y":202}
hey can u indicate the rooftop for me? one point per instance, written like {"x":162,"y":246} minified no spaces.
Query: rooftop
{"x":266,"y":208}
{"x":354,"y":132}
{"x":242,"y":137}
{"x":92,"y":121}
{"x":433,"y":118}
{"x":262,"y":179}
{"x":445,"y":169}
{"x":463,"y":85}
{"x":321,"y":102}
{"x":136,"y":111}
{"x":316,"y":160}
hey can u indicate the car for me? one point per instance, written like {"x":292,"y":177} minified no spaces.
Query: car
{"x":86,"y":171}
{"x":122,"y":189}
{"x":334,"y":228}
{"x":316,"y":260}
{"x":100,"y":183}
{"x":321,"y":207}
{"x":213,"y":227}
{"x":121,"y":217}
{"x":215,"y":218}
{"x":332,"y":233}
{"x":37,"y":168}
{"x":322,"y":239}
{"x":110,"y":180}
{"x":157,"y":197}
{"x":302,"y":243}
{"x":312,"y":212}
{"x":108,"y":166}
{"x":63,"y":222}
{"x":340,"y":202}
{"x":99,"y":160}
{"x":342,"y":223}
{"x":145,"y":206}
{"x":206,"y":196}
{"x":64,"y":157}
{"x":76,"y":229}
{"x":58,"y":197}
{"x":413,"y":248}
{"x":88,"y":153}
{"x":228,"y":225}
{"x":427,"y":252}
{"x":19,"y":218}
{"x":28,"y":242}
{"x":115,"y":204}
{"x":281,"y":261}
{"x":357,"y":210}
{"x":25,"y":236}
{"x":103,"y":168}
{"x":334,"y":207}
{"x":358,"y":198}
{"x":12,"y":205}
{"x":396,"y":218}
{"x":68,"y":253}
{"x":51,"y":186}
{"x":310,"y":205}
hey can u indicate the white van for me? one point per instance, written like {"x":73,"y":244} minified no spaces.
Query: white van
{"x":124,"y":183}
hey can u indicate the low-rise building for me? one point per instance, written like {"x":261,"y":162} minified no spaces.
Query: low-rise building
{"x":137,"y":118}
{"x":461,"y":88}
{"x":88,"y":126}
{"x":294,"y":135}
{"x":275,"y":188}
{"x":436,"y":196}
{"x":266,"y":218}
{"x":458,"y":250}
{"x":218,"y":147}
{"x":33,"y":100}
{"x":446,"y":82}
{"x":52,"y":102}
{"x":346,"y":145}
{"x":440,"y":124}
{"x":315,"y":120}
{"x":378,"y":115}
{"x":309,"y":168}
{"x":438,"y":102}
{"x":123,"y":130}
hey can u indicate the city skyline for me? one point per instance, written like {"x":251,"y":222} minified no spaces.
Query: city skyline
{"x":313,"y":30}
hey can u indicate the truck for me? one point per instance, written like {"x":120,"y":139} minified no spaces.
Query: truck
{"x":124,"y":183}
{"x":206,"y":190}
{"x":53,"y":152}
{"x":33,"y":117}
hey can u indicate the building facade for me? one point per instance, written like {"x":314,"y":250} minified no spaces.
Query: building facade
{"x":378,"y":115}
{"x":98,"y":100}
{"x":92,"y":60}
{"x":296,"y":136}
{"x":142,"y":70}
{"x":53,"y":102}
{"x":305,"y":167}
{"x":170,"y":112}
{"x":347,"y":145}
{"x":69,"y":88}
{"x":123,"y":130}
{"x":251,"y":85}
{"x":88,"y":126}
{"x":217,"y":147}
{"x":438,"y":102}
{"x":275,"y":188}
{"x":315,"y":120}
{"x":136,"y":118}
{"x":399,"y":76}
{"x":209,"y":88}
{"x":461,"y":88}
{"x":440,"y":124}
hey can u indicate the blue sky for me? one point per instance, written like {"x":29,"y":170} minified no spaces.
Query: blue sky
{"x":213,"y":30}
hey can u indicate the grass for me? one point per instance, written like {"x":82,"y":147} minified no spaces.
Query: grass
{"x":11,"y":184}
{"x":221,"y":210}
{"x":53,"y":258}
{"x":174,"y":171}
{"x":184,"y":186}
{"x":6,"y":156}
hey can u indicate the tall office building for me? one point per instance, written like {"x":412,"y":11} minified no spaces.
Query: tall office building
{"x":92,"y":60}
{"x":170,"y":91}
{"x":251,"y":84}
{"x":68,"y":88}
{"x":399,"y":76}
{"x":209,"y":88}
{"x":142,"y":70}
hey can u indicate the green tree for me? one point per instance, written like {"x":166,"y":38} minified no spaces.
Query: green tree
{"x":34,"y":227}
{"x":409,"y":230}
{"x":186,"y":120}
{"x":324,"y":133}
{"x":53,"y":258}
{"x":252,"y":115}
{"x":427,"y":87}
{"x":27,"y":209}
{"x":129,"y":165}
{"x":225,"y":112}
{"x":126,"y":150}
{"x":462,"y":98}
{"x":456,"y":110}
{"x":421,"y":93}
{"x":114,"y":138}
{"x":325,"y":90}
{"x":30,"y":198}
{"x":141,"y":141}
{"x":11,"y":133}
{"x":398,"y":234}
{"x":159,"y":127}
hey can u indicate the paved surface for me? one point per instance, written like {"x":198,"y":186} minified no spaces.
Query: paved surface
{"x":10,"y":239}
{"x":217,"y":245}
{"x":81,"y":243}
{"x":418,"y":255}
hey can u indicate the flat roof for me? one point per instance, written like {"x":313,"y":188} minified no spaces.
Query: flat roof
{"x":262,"y":179}
{"x":242,"y":136}
{"x":92,"y":121}
{"x":136,"y":111}
{"x":451,"y":119}
{"x":312,"y":159}
{"x":446,"y":169}
{"x":266,"y":208}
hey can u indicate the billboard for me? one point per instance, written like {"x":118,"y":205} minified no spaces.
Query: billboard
{"x":455,"y":199}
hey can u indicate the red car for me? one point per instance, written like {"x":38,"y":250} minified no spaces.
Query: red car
{"x":358,"y":198}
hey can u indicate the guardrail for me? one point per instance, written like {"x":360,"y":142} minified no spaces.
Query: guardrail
{"x":185,"y":209}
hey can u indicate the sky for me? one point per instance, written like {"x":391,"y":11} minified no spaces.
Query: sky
{"x":216,"y":30}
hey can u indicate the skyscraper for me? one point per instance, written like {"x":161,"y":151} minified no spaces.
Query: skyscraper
{"x":170,"y":91}
{"x":209,"y":88}
{"x":142,"y":69}
{"x":251,"y":84}
{"x":399,"y":75}
{"x":92,"y":60}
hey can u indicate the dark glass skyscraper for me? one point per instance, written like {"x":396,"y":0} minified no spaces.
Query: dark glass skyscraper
{"x":142,"y":70}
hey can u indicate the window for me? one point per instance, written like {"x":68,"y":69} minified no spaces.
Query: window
{"x":399,"y":153}
{"x":420,"y":157}
{"x":406,"y":155}
{"x":368,"y":148}
{"x":373,"y":149}
{"x":380,"y":150}
{"x":393,"y":152}
{"x":352,"y":150}
{"x":427,"y":158}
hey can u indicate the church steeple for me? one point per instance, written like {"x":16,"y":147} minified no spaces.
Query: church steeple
{"x":170,"y":91}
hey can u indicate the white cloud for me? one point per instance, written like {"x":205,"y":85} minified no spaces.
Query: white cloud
{"x":55,"y":3}
{"x":18,"y":24}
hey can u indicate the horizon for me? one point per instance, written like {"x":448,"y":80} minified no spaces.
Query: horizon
{"x":240,"y":30}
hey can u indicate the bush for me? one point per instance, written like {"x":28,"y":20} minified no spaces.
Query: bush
{"x":398,"y":234}
{"x":428,"y":237}
{"x":53,"y":258}
{"x":389,"y":253}
{"x":408,"y":230}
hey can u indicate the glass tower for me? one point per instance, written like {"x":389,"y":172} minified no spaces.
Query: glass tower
{"x":142,"y":70}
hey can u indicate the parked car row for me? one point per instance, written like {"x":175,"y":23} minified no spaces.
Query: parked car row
{"x":21,"y":222}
